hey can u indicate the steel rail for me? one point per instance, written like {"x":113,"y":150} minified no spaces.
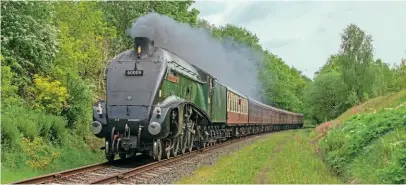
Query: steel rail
{"x":165,"y":162}
{"x":66,"y":173}
{"x":128,"y":173}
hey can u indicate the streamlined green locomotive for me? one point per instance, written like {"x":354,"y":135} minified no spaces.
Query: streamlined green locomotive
{"x":161,"y":105}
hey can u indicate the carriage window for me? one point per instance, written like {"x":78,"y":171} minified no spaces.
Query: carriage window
{"x":232,"y":102}
{"x":235,"y":104}
{"x":246,"y":107}
{"x":238,"y":104}
{"x":243,"y":106}
{"x":228,"y":101}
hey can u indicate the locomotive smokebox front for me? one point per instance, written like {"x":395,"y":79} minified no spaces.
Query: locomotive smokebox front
{"x":133,"y":81}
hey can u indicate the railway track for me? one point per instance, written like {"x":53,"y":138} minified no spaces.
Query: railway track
{"x":139,"y":169}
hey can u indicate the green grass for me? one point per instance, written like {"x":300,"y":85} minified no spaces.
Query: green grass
{"x":239,"y":167}
{"x":297,"y":163}
{"x":279,"y":156}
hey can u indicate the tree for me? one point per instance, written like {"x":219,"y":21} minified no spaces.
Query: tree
{"x":355,"y":61}
{"x":28,"y":40}
{"x":121,"y":14}
{"x":326,"y":97}
{"x":332,"y":64}
{"x":85,"y":41}
{"x":239,"y":34}
{"x":398,"y":80}
{"x":281,"y":85}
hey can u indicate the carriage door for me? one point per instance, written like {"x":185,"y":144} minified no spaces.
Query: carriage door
{"x":210,"y":96}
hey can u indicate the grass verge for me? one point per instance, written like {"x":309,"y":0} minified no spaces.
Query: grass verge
{"x":296,"y":162}
{"x":367,"y":143}
{"x":267,"y":156}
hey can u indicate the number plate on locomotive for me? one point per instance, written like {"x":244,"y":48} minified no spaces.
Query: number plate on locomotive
{"x":134,"y":72}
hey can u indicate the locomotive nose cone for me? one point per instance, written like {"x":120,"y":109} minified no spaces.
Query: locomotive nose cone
{"x":95,"y":127}
{"x":154,"y":128}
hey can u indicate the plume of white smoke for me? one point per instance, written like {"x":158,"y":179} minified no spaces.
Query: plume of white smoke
{"x":233,"y":64}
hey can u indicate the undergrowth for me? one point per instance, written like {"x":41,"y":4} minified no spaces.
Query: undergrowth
{"x":34,"y":143}
{"x":369,"y":147}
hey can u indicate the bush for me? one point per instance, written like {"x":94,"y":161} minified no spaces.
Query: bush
{"x":35,"y":143}
{"x":48,"y":95}
{"x":19,"y":122}
{"x":354,"y":147}
{"x":325,"y":98}
{"x":8,"y":89}
{"x":80,"y":101}
{"x":40,"y":155}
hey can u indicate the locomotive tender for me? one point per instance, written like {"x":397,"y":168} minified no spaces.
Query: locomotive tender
{"x":161,"y":105}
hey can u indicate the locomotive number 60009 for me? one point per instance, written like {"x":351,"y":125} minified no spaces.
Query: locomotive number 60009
{"x":134,"y":72}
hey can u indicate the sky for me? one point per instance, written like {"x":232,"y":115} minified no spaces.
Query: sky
{"x":305,"y":33}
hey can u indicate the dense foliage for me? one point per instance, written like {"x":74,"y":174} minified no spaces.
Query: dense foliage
{"x":53,"y":58}
{"x":370,"y":147}
{"x":367,"y":147}
{"x":350,"y":77}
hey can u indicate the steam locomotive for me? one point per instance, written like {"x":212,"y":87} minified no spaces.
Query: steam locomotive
{"x":160,"y":105}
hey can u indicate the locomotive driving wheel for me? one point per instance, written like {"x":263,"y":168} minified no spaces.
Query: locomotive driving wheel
{"x":107,"y":152}
{"x":190,"y":143}
{"x":157,"y":150}
{"x":166,"y":152}
{"x":183,"y":142}
{"x":175,"y":146}
{"x":109,"y":144}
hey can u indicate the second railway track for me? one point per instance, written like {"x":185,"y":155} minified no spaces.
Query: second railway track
{"x":139,"y":169}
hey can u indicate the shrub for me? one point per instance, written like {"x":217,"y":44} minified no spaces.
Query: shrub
{"x":40,"y":155}
{"x":48,"y":95}
{"x":19,"y":122}
{"x":359,"y":136}
{"x":80,"y":102}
